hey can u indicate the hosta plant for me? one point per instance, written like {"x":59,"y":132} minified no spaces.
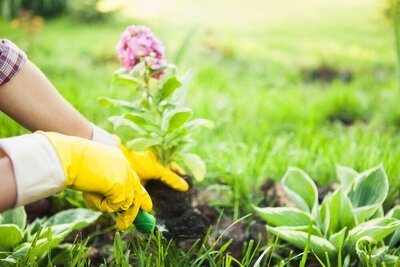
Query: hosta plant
{"x":348,"y":226}
{"x":22,"y":244}
{"x":155,"y":113}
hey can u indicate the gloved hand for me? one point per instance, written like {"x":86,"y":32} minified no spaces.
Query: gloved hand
{"x":147,"y":166}
{"x":45,"y":163}
{"x":145,"y":163}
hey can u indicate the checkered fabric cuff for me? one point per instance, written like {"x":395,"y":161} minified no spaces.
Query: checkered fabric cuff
{"x":11,"y":60}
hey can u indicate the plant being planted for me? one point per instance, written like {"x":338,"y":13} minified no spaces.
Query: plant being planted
{"x":349,"y":225}
{"x":157,"y":120}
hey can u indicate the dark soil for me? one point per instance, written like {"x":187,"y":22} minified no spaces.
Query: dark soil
{"x":274,"y":196}
{"x":325,"y":190}
{"x":41,"y":208}
{"x":326,"y":73}
{"x":175,"y":211}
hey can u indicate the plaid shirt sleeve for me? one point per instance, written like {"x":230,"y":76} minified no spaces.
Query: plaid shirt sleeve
{"x":11,"y":60}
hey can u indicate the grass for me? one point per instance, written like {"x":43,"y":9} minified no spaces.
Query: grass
{"x":248,"y":79}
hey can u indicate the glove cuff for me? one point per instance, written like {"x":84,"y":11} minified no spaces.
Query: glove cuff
{"x":101,"y":136}
{"x":37,"y":168}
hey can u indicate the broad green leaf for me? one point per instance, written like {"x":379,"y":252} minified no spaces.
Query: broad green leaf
{"x":314,"y":230}
{"x":284,"y":216}
{"x":337,"y":239}
{"x":4,"y":254}
{"x":395,"y":238}
{"x":77,"y":218}
{"x":119,"y":121}
{"x":173,"y":119}
{"x":318,"y":245}
{"x":379,"y":213}
{"x":110,"y":102}
{"x":195,"y":165}
{"x":376,"y":229}
{"x":10,"y":236}
{"x":169,"y":87}
{"x":370,"y":188}
{"x":345,"y":175}
{"x":324,"y":215}
{"x":142,"y":143}
{"x":368,"y":192}
{"x":137,"y":118}
{"x":56,"y":229}
{"x":366,"y":212}
{"x":341,"y":213}
{"x":300,"y":188}
{"x":368,"y":253}
{"x":15,"y":216}
{"x":8,"y":262}
{"x":145,"y":123}
{"x":394,"y":212}
{"x":126,"y":79}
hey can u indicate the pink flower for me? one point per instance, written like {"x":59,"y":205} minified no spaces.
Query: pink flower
{"x":139,"y":43}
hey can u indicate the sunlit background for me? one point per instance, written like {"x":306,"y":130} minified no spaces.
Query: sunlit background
{"x":306,"y":83}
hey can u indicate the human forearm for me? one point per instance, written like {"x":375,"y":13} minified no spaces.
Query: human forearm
{"x":30,"y":99}
{"x":8,"y":189}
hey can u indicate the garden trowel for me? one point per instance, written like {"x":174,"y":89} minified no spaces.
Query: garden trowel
{"x":146,"y":224}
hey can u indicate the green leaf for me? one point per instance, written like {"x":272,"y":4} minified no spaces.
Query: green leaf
{"x":195,"y":165}
{"x":369,"y":188}
{"x":395,"y":238}
{"x":10,"y":236}
{"x":119,"y":121}
{"x":126,"y":79}
{"x":110,"y":102}
{"x":15,"y":216}
{"x":340,"y":211}
{"x":367,"y":212}
{"x":345,"y":175}
{"x":118,"y":248}
{"x":173,"y":119}
{"x":337,"y":239}
{"x":376,"y":229}
{"x":137,"y":118}
{"x":142,"y":143}
{"x":55,"y":230}
{"x":75,"y":218}
{"x":368,"y":192}
{"x":300,"y":188}
{"x":169,"y":87}
{"x":318,"y":245}
{"x":283,"y":216}
{"x":368,"y":252}
{"x":314,"y":229}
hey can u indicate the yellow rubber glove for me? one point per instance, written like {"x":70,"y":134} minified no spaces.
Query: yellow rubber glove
{"x":148,"y":167}
{"x":104,"y":176}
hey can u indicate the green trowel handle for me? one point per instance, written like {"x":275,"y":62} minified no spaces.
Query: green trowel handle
{"x":144,"y":222}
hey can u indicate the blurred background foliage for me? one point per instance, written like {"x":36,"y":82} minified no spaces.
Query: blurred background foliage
{"x":304,"y":83}
{"x":85,"y":10}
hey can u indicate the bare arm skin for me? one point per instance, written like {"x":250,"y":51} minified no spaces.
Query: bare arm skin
{"x":30,"y":99}
{"x":8,"y":188}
